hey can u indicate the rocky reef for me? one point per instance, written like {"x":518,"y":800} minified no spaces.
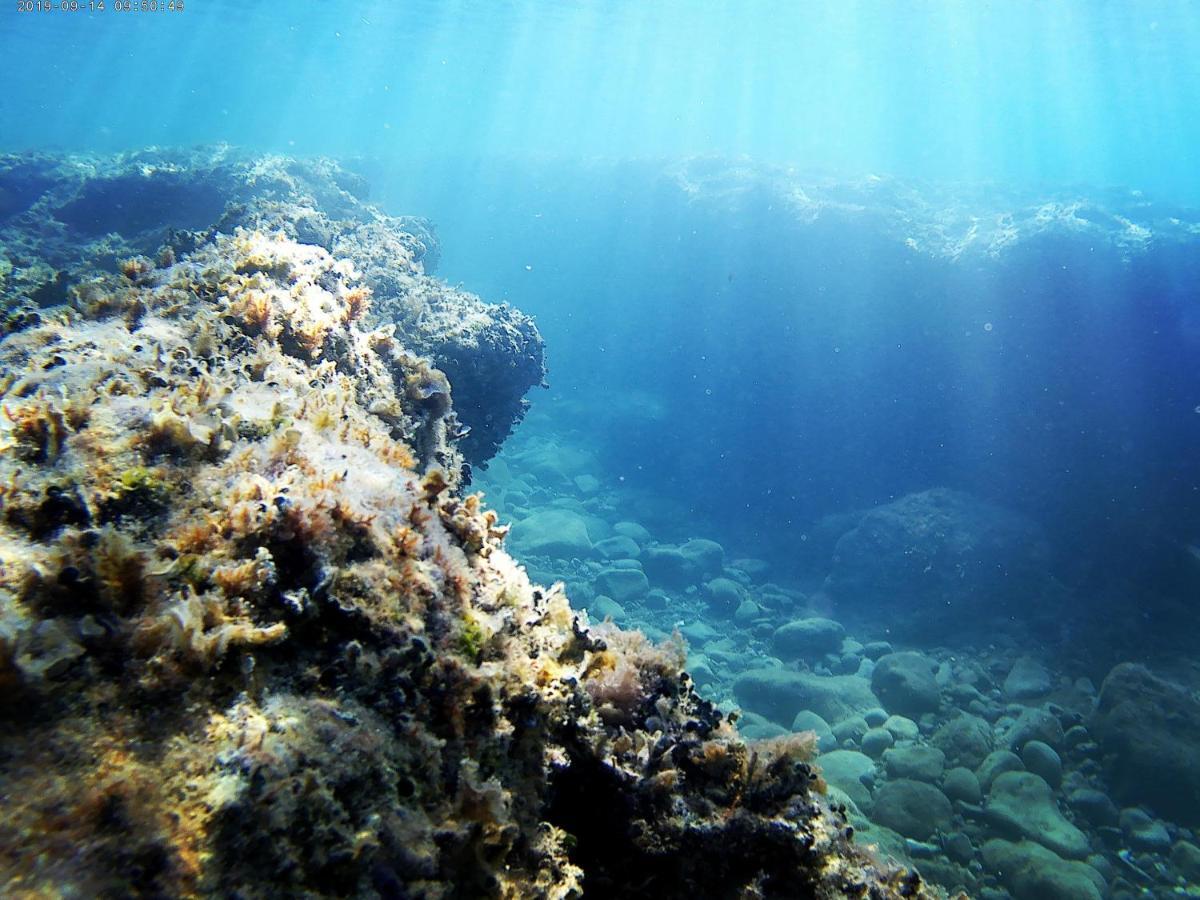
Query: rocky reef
{"x":64,"y":219}
{"x":254,"y":639}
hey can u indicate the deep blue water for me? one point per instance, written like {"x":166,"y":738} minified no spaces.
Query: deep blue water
{"x":792,"y":262}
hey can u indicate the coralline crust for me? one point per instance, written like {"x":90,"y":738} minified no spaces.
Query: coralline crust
{"x":255,"y":643}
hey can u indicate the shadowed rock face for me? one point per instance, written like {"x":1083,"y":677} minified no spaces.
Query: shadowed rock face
{"x":67,"y":219}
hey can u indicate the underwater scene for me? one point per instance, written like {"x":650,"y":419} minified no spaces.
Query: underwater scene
{"x":595,"y":448}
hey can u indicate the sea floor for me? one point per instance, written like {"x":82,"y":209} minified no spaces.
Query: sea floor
{"x":976,"y":752}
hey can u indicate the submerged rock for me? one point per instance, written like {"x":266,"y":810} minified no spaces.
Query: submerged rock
{"x":1024,"y":804}
{"x":1031,"y":872}
{"x":83,"y":216}
{"x":807,"y":639}
{"x":905,"y":684}
{"x":939,"y":562}
{"x":254,"y":642}
{"x":553,"y":532}
{"x":1149,"y":728}
{"x":1027,"y":679}
{"x":780,"y":694}
{"x":912,"y":808}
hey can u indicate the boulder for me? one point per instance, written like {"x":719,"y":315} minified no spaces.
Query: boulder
{"x":1023,"y":804}
{"x":723,"y":596}
{"x":552,"y":532}
{"x":707,"y":556}
{"x":1040,"y":759}
{"x":912,"y":808}
{"x":634,"y":531}
{"x":851,"y":730}
{"x":1149,"y":729}
{"x":668,"y":567}
{"x":917,"y":763}
{"x":602,"y":607}
{"x":757,"y":569}
{"x":747,"y":612}
{"x":623,"y":585}
{"x":807,"y":639}
{"x":619,"y":547}
{"x":939,"y":562}
{"x":852,"y":772}
{"x":781,"y":693}
{"x":1185,"y":856}
{"x":904,"y":683}
{"x":902,"y":728}
{"x":1026,"y":680}
{"x":1143,"y":831}
{"x":1031,"y":872}
{"x":961,"y":784}
{"x":876,"y":741}
{"x":1094,"y":807}
{"x":1034,"y":725}
{"x":806,"y":720}
{"x":996,"y":764}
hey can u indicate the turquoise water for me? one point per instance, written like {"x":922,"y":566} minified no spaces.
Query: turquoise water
{"x":872,"y":331}
{"x":1024,"y":92}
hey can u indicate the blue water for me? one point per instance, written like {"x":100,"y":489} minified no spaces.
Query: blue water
{"x":745,"y":231}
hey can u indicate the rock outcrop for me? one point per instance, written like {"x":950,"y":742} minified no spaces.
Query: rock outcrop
{"x":255,"y":642}
{"x":64,"y":220}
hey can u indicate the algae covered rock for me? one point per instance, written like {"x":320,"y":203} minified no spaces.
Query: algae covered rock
{"x":255,"y":642}
{"x":82,"y":216}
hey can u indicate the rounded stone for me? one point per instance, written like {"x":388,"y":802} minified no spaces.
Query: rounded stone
{"x":966,"y":740}
{"x":917,"y":763}
{"x":904,"y":683}
{"x":1143,"y":831}
{"x":996,"y":764}
{"x":1022,"y":802}
{"x":961,"y":784}
{"x":747,"y":612}
{"x":876,"y":741}
{"x":1185,"y":856}
{"x":912,"y":808}
{"x":807,"y":720}
{"x":723,"y":595}
{"x":1094,"y":807}
{"x":876,"y":717}
{"x":959,"y":847}
{"x":1040,"y":759}
{"x":1028,"y":678}
{"x":809,"y":638}
{"x":850,"y":730}
{"x":902,"y":728}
